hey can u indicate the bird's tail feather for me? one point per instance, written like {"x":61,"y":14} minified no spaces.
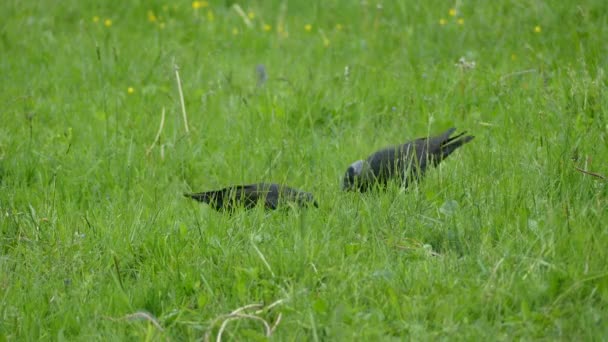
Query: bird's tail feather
{"x":445,"y":136}
{"x":451,"y":144}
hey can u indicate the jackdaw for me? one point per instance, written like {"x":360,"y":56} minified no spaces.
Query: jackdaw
{"x":407,"y":162}
{"x":272,"y":195}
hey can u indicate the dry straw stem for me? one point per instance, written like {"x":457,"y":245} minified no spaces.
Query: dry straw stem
{"x":242,"y":14}
{"x":140,"y":315}
{"x":241,"y":314}
{"x":594,"y":174}
{"x":516,"y":73}
{"x":181,"y":97}
{"x":160,"y":130}
{"x":275,"y":303}
{"x":144,"y":316}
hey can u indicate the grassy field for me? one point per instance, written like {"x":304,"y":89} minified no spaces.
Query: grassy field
{"x":505,"y":240}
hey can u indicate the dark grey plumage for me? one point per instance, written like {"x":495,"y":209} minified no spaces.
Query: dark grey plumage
{"x":272,"y":195}
{"x":407,"y":162}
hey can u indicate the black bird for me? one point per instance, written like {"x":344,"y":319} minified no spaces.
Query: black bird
{"x":272,"y":195}
{"x":407,"y":162}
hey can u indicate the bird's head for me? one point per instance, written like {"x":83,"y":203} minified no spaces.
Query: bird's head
{"x":355,"y":175}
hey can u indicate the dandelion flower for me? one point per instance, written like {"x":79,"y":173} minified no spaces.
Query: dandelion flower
{"x":199,"y":4}
{"x":325,"y":39}
{"x":452,"y":12}
{"x":130,"y":90}
{"x":95,"y":19}
{"x":267,"y":27}
{"x":308,"y":27}
{"x":251,"y":15}
{"x":151,"y":17}
{"x":107,"y":22}
{"x":442,"y":22}
{"x":537,"y":29}
{"x":460,"y":21}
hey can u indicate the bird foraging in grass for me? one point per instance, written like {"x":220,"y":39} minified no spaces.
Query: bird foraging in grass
{"x":271,"y":195}
{"x":406,"y":163}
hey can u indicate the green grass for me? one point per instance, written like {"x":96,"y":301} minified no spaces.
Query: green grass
{"x":505,"y":240}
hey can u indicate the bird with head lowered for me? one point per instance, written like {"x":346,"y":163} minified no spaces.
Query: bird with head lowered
{"x":405,"y":163}
{"x":273,"y":196}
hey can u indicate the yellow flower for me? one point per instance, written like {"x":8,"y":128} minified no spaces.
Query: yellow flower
{"x":537,"y":29}
{"x":151,"y":16}
{"x":107,"y":22}
{"x":325,"y":39}
{"x":210,"y":15}
{"x":199,"y":4}
{"x":95,"y":19}
{"x":267,"y":27}
{"x":130,"y":90}
{"x":308,"y":27}
{"x":235,"y":31}
{"x":460,"y":21}
{"x":339,"y":27}
{"x":251,"y":15}
{"x":442,"y":22}
{"x":452,"y":12}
